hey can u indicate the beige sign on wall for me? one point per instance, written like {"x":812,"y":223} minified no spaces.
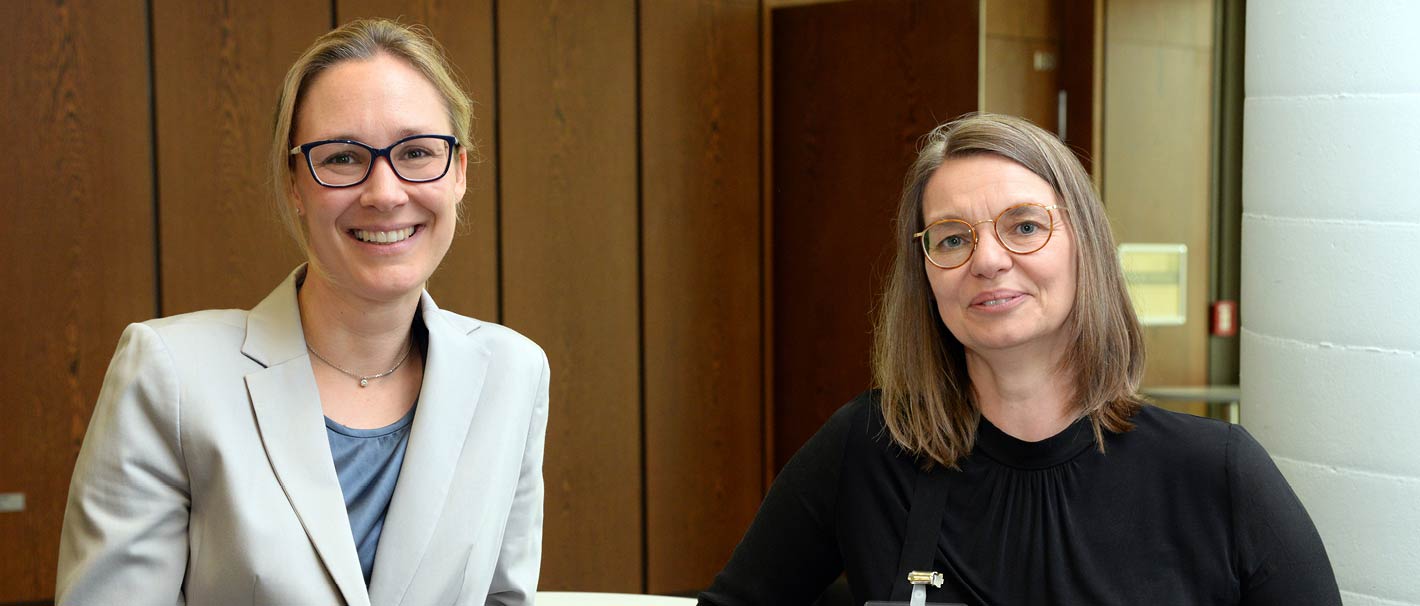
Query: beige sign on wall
{"x":1157,"y":275}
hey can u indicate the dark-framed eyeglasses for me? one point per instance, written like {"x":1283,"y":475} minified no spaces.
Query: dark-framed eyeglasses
{"x":1021,"y":229}
{"x":346,"y":163}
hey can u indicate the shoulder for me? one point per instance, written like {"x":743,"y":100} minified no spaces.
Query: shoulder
{"x":862,"y":437}
{"x":232,"y":321}
{"x":193,"y":335}
{"x":501,"y":341}
{"x":1179,"y":438}
{"x":857,"y":424}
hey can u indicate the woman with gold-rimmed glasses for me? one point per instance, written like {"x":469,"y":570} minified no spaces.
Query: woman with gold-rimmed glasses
{"x":346,"y":441}
{"x":1006,"y":446}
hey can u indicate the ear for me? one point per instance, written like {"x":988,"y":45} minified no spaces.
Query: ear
{"x":293,"y":195}
{"x":461,"y":174}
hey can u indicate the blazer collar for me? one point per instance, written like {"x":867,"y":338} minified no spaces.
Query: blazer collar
{"x":454,"y":373}
{"x":274,"y":334}
{"x":286,"y":403}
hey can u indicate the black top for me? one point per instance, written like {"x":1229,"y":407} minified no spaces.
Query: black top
{"x":1180,"y":510}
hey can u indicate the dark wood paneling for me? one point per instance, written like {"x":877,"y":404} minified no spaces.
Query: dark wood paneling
{"x":569,"y":235}
{"x":467,"y":281}
{"x":78,"y":249}
{"x":1077,"y":76}
{"x":218,"y":66}
{"x":856,"y":84}
{"x":701,"y":254}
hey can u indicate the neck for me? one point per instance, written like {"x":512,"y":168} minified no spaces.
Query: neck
{"x":359,"y":334}
{"x":1024,"y":394}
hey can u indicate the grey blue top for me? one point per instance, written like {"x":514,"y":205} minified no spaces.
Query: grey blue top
{"x":367,"y":461}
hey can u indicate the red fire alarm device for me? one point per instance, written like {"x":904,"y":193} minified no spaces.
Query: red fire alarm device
{"x":1224,"y":318}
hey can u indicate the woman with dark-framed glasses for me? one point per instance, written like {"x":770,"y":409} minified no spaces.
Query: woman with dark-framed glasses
{"x":1006,"y":448}
{"x":345,"y":441}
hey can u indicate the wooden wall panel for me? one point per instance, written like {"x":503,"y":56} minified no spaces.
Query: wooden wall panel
{"x":856,"y":84}
{"x":1157,"y":160}
{"x":701,"y":254}
{"x":1015,"y":31}
{"x":467,"y":281}
{"x":568,"y":181}
{"x":78,"y":249}
{"x":1078,"y":69}
{"x":217,"y":68}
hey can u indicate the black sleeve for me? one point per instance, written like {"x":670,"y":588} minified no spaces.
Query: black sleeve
{"x":1280,"y":556}
{"x":790,"y":552}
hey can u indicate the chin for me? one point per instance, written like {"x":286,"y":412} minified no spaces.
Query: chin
{"x":384,"y":283}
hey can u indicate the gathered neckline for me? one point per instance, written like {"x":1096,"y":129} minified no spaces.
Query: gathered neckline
{"x":1011,"y":451}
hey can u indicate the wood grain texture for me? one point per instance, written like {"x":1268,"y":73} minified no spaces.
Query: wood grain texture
{"x":856,"y":84}
{"x":568,"y":176}
{"x":467,"y":281}
{"x":218,"y":67}
{"x":78,"y":249}
{"x":701,"y":254}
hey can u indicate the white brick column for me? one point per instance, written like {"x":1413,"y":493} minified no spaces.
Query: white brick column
{"x":1331,"y":275}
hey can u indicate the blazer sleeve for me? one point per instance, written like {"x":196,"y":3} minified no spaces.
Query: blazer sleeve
{"x":520,"y":557}
{"x":124,"y":539}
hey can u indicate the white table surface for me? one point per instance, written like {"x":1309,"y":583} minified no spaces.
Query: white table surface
{"x":573,"y":598}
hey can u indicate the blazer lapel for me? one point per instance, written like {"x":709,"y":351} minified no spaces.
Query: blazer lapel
{"x":286,"y":403}
{"x":454,"y":373}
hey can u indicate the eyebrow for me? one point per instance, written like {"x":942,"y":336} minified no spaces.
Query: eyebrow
{"x":961,"y":218}
{"x":400,"y":134}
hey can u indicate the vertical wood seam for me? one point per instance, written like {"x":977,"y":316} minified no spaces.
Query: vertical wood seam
{"x":497,"y":172}
{"x":641,"y":301}
{"x":766,"y":261}
{"x":153,"y":160}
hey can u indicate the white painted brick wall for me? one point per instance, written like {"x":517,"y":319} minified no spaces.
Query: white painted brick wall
{"x":1331,"y":275}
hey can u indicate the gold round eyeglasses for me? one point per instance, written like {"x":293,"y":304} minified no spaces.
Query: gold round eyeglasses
{"x":1021,"y":229}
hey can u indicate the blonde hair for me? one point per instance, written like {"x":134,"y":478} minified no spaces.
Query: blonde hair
{"x":357,"y":40}
{"x":927,"y":399}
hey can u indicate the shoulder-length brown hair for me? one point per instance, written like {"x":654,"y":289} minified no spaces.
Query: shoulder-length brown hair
{"x":927,"y":398}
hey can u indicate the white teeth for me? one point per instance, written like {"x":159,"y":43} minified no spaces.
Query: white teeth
{"x":383,"y":237}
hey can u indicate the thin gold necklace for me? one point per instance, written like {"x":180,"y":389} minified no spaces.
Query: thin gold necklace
{"x":365,"y":379}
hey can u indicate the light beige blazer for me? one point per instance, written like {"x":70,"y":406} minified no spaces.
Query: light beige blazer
{"x":206,"y":475}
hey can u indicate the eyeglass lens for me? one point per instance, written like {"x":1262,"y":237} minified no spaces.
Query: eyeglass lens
{"x":1022,"y":229}
{"x":418,"y":159}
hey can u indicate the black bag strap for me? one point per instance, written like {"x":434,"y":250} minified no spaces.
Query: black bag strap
{"x":924,"y":525}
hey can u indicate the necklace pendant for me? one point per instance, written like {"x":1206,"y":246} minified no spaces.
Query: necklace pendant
{"x":364,"y":381}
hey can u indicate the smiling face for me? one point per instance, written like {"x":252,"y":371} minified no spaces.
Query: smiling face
{"x":382,"y":239}
{"x":999,"y":300}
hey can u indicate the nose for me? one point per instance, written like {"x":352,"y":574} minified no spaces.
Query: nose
{"x":383,"y":189}
{"x":990,"y":257}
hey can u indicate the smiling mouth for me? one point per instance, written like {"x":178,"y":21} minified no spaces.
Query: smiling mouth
{"x":383,"y":237}
{"x":999,"y":301}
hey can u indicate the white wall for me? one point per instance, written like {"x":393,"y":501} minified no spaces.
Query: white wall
{"x":1331,"y":275}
